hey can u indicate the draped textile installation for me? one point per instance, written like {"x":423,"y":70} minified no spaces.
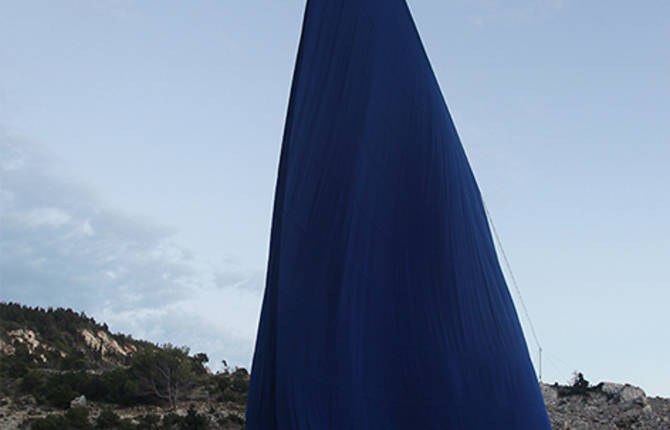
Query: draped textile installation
{"x":385,"y":306}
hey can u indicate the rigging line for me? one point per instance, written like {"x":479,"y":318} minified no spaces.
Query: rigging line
{"x":560,"y":361}
{"x":511,"y":274}
{"x":553,"y":364}
{"x":558,"y":366}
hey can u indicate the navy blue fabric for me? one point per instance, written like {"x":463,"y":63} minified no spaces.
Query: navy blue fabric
{"x":385,"y":306}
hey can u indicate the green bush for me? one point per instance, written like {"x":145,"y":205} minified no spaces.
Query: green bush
{"x":171,"y":421}
{"x":60,"y":388}
{"x":194,"y":421}
{"x":17,"y":364}
{"x":578,"y":387}
{"x":127,"y":424}
{"x":77,"y":418}
{"x":73,"y":419}
{"x":33,"y":382}
{"x":108,"y":419}
{"x":229,"y":387}
{"x":73,"y":362}
{"x":50,"y":422}
{"x":59,"y":395}
{"x":149,"y":422}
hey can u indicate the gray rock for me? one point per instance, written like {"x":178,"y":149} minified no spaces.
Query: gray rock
{"x":549,"y":393}
{"x":611,"y":389}
{"x":632,"y":394}
{"x":624,"y":393}
{"x":606,"y":406}
{"x":78,"y":401}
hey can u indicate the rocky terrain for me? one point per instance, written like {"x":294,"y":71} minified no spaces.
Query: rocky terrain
{"x":17,"y":414}
{"x":606,"y":406}
{"x":60,"y":369}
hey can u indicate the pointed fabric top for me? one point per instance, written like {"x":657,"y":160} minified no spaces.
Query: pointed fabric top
{"x":385,"y":306}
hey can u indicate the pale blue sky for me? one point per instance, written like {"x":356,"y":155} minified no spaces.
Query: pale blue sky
{"x":139,"y":144}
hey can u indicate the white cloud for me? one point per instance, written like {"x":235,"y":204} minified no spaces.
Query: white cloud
{"x":86,"y":228}
{"x":50,"y":217}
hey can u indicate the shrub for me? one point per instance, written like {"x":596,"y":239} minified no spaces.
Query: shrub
{"x":579,"y":386}
{"x":108,"y":419}
{"x":33,"y":382}
{"x":73,"y":419}
{"x":171,"y":421}
{"x":149,"y":422}
{"x":194,"y":421}
{"x":77,"y":418}
{"x":60,"y":388}
{"x":50,"y":422}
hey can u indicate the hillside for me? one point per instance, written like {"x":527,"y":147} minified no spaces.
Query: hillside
{"x":60,"y":369}
{"x":63,"y":339}
{"x":605,"y":406}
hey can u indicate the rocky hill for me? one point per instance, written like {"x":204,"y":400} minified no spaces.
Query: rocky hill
{"x":605,"y":406}
{"x":62,"y":338}
{"x":62,"y":370}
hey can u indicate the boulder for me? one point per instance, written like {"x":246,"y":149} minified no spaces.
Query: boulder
{"x":78,"y":402}
{"x":624,"y":393}
{"x":632,"y":394}
{"x":549,"y":393}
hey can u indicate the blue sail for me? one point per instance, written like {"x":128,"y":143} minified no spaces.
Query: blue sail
{"x":385,"y":306}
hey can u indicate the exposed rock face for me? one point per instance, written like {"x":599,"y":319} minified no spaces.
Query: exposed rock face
{"x":606,"y":406}
{"x":623,"y":392}
{"x":29,"y":339}
{"x":549,"y":393}
{"x":101,"y":341}
{"x":62,"y":338}
{"x":96,"y":341}
{"x":130,"y":349}
{"x":26,"y":337}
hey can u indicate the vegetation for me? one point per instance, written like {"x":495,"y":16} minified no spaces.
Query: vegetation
{"x":578,"y":387}
{"x":159,"y":376}
{"x":59,"y":329}
{"x":165,"y":373}
{"x":78,"y":419}
{"x":229,"y":386}
{"x":64,"y":366}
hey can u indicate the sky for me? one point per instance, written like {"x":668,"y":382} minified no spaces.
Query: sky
{"x":139,"y":144}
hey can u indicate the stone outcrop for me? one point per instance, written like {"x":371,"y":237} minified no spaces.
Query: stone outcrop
{"x":623,"y":392}
{"x":29,"y":339}
{"x":78,"y":402}
{"x":101,"y":341}
{"x":606,"y":406}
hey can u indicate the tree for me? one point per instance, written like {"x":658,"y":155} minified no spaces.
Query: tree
{"x":165,"y":372}
{"x":199,"y":361}
{"x":201,"y":358}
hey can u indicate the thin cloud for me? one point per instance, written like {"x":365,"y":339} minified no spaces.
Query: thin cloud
{"x":61,"y":246}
